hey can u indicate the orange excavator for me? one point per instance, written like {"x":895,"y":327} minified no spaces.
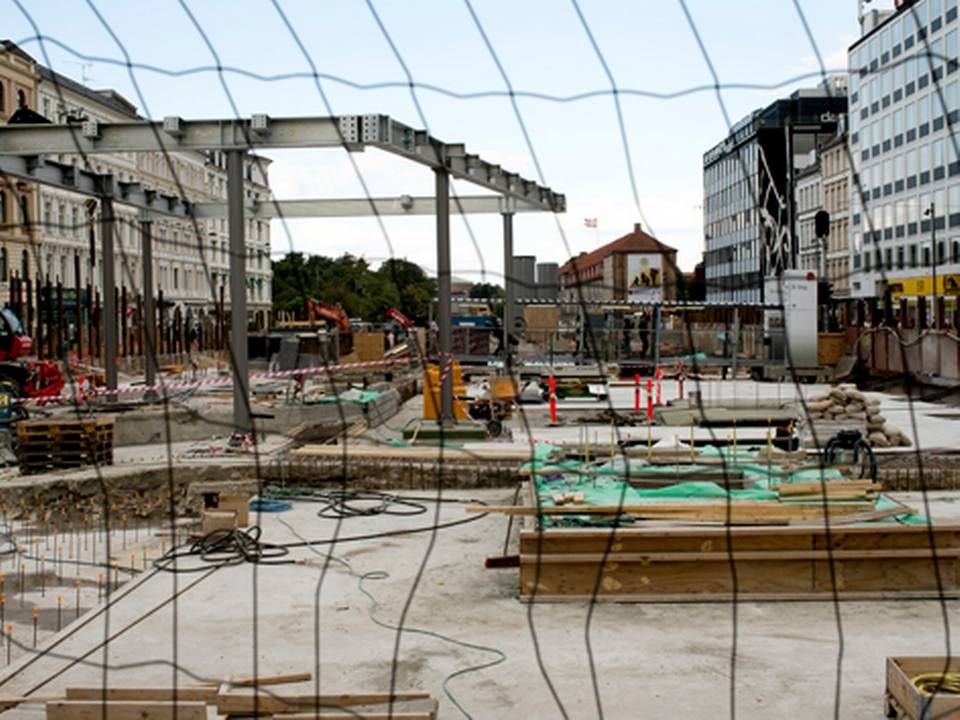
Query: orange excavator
{"x":334,"y":316}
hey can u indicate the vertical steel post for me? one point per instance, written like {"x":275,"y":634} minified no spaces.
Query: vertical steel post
{"x":442,"y":178}
{"x":109,"y":295}
{"x":238,"y":293}
{"x":149,"y":318}
{"x":509,"y":287}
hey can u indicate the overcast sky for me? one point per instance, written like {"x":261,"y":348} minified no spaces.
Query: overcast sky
{"x":575,"y":146}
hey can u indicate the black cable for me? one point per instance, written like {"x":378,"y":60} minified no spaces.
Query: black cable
{"x":343,"y":503}
{"x":222,"y":548}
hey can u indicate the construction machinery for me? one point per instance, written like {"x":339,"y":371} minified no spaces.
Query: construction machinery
{"x":28,"y":378}
{"x":334,"y":317}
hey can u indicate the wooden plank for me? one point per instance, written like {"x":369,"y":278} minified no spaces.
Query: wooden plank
{"x":738,"y":512}
{"x":728,"y":597}
{"x":205,"y":694}
{"x":736,"y":555}
{"x":420,"y":453}
{"x":238,"y":703}
{"x":272,"y":679}
{"x":125,"y":710}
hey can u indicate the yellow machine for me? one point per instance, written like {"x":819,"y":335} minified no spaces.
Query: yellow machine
{"x":431,"y":393}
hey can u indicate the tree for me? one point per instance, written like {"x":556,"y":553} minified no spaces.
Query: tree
{"x":349,"y":281}
{"x":486,"y":291}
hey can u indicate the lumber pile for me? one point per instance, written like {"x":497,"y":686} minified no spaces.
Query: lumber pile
{"x":62,"y":443}
{"x":693,"y":564}
{"x":846,"y":406}
{"x":231,"y":699}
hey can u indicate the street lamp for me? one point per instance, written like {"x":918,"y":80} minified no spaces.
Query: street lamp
{"x":932,"y":213}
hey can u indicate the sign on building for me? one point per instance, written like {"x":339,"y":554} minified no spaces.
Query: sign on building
{"x":645,"y":278}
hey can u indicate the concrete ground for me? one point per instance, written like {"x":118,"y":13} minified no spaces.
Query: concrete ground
{"x":651,"y":660}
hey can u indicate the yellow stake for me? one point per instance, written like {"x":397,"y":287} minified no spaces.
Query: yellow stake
{"x":769,"y":438}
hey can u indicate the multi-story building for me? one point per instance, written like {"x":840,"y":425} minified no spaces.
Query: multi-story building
{"x":823,"y":185}
{"x":635,"y":267}
{"x":905,"y":181}
{"x":808,"y":200}
{"x":191,"y":261}
{"x":835,"y":172}
{"x":748,"y":208}
{"x":18,"y":199}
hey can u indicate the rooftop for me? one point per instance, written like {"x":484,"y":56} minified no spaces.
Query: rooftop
{"x":635,"y":242}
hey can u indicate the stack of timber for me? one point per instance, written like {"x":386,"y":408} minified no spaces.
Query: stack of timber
{"x":909,"y":679}
{"x":237,"y":699}
{"x":52,"y":444}
{"x":784,"y":550}
{"x":669,"y":564}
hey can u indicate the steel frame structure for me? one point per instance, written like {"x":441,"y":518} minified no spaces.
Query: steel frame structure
{"x":23,"y":149}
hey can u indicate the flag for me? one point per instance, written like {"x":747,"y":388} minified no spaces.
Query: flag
{"x":590,"y":222}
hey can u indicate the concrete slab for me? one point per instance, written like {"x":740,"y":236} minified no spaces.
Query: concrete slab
{"x":651,"y":660}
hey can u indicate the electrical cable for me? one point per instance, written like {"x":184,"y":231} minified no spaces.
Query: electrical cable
{"x":373,"y":606}
{"x":344,"y":503}
{"x":222,"y":548}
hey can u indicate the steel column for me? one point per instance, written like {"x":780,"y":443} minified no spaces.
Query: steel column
{"x":109,"y":298}
{"x":149,"y":318}
{"x":243,"y":423}
{"x":509,"y":289}
{"x":442,"y":179}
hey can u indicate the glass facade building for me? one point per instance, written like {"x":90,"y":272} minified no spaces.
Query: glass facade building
{"x":905,"y":181}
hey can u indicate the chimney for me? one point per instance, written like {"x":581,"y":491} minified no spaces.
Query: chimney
{"x":637,"y":228}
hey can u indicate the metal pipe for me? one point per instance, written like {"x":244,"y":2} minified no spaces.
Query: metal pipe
{"x":109,"y":295}
{"x":238,"y":293}
{"x":442,"y":178}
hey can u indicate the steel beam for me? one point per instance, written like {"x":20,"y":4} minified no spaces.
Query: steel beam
{"x":242,"y":420}
{"x":109,"y":297}
{"x":75,"y":179}
{"x":509,"y":289}
{"x":354,"y":132}
{"x":149,"y":307}
{"x":444,"y":315}
{"x":363,"y":207}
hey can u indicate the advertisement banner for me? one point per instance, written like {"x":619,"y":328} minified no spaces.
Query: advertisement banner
{"x":645,"y":278}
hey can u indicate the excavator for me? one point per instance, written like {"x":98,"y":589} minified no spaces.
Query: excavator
{"x":335,"y":316}
{"x":25,"y":378}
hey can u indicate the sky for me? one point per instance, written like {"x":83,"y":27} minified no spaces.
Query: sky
{"x":758,"y":49}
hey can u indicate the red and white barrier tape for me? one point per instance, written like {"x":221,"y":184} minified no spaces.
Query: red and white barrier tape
{"x":209,"y":382}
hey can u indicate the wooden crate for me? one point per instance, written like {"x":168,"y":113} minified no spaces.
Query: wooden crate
{"x":903,"y":700}
{"x":63,"y":443}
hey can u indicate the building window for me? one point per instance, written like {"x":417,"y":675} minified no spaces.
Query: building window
{"x":21,"y":99}
{"x":3,"y":98}
{"x":24,"y":211}
{"x":3,"y":207}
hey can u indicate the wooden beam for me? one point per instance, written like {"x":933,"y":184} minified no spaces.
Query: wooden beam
{"x":205,"y":694}
{"x":272,"y":680}
{"x":125,"y":710}
{"x":737,"y":512}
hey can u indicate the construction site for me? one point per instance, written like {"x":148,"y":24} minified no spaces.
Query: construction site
{"x":305,"y":487}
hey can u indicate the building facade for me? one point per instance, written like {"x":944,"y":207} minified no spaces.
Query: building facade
{"x":18,"y":199}
{"x":749,"y":216}
{"x":191,"y":261}
{"x":835,"y":172}
{"x":635,"y":267}
{"x":905,"y":180}
{"x":808,"y":199}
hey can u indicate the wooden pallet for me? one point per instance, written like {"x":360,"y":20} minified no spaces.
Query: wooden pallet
{"x":64,"y":443}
